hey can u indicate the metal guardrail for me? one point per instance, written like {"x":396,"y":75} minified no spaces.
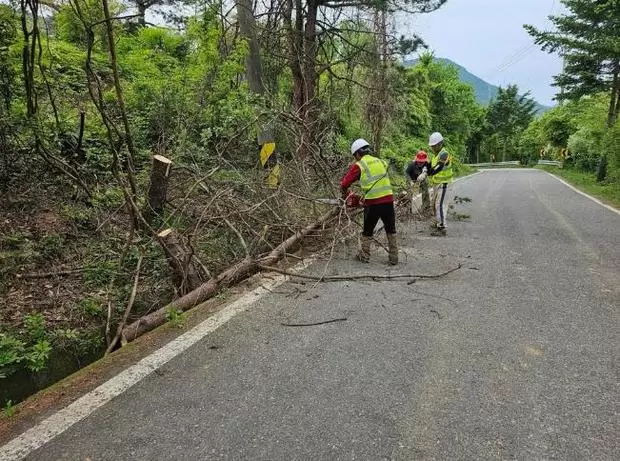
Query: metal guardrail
{"x":512,"y":163}
{"x":550,"y":162}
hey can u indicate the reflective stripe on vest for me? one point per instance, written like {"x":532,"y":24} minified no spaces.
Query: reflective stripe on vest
{"x":374,"y":180}
{"x":446,"y":174}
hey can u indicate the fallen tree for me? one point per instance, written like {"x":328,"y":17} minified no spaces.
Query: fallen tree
{"x":230,"y":276}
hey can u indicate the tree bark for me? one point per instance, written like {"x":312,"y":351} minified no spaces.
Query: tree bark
{"x":158,"y":188}
{"x":234,"y":274}
{"x":120,"y":99}
{"x":614,"y":97}
{"x":142,"y":6}
{"x":295,"y":48}
{"x":378,"y":103}
{"x":187,"y":273}
{"x":247,"y":29}
{"x":310,"y":51}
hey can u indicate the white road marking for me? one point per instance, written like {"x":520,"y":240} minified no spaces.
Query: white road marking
{"x":42,"y":433}
{"x":37,"y":436}
{"x":594,"y":199}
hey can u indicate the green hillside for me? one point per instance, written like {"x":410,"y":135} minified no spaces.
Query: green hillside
{"x":485,"y":91}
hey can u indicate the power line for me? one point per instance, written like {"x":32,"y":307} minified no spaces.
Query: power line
{"x":519,"y":55}
{"x":513,"y":59}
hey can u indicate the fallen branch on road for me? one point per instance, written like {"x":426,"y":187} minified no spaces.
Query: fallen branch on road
{"x":371,"y":277}
{"x":313,"y":324}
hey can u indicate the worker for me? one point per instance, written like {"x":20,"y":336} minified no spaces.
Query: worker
{"x":377,"y":199}
{"x":417,"y":172}
{"x":441,"y":175}
{"x":418,"y":168}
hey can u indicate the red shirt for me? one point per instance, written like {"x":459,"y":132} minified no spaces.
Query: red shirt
{"x":353,"y":175}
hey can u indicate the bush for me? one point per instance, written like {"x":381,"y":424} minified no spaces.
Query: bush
{"x":31,"y":351}
{"x":611,"y":146}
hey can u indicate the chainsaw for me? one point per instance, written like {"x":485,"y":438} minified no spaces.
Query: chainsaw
{"x":352,"y":201}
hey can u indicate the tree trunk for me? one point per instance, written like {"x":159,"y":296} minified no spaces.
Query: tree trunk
{"x":129,"y":168}
{"x":141,"y":13}
{"x":612,"y":114}
{"x":234,"y":274}
{"x":378,"y":103}
{"x":187,"y":273}
{"x":247,"y":29}
{"x":295,"y":45}
{"x":310,"y":51}
{"x":158,"y":188}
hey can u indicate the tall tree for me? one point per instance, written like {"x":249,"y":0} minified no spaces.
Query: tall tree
{"x":304,"y":25}
{"x":247,"y":29}
{"x":453,"y":106}
{"x":508,"y":115}
{"x":588,"y":37}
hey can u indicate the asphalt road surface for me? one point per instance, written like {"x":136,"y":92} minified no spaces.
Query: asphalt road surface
{"x":513,"y":356}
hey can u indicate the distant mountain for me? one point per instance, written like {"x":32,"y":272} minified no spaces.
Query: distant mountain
{"x":484,"y":91}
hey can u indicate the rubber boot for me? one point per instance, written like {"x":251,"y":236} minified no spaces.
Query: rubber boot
{"x":364,"y":252}
{"x":392,"y":249}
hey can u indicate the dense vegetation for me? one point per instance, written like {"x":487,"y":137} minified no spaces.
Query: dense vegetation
{"x":91,"y":91}
{"x":585,"y":128}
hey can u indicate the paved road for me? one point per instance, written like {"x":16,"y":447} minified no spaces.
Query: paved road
{"x":514,"y":356}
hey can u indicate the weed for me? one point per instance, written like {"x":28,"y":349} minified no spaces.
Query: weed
{"x":82,"y":343}
{"x":99,"y":274}
{"x":109,"y":198}
{"x":78,"y":214}
{"x":19,"y":249}
{"x":9,"y":409}
{"x":90,"y":307}
{"x":16,"y":354}
{"x":38,"y":355}
{"x":34,"y":325}
{"x":12,"y":352}
{"x":12,"y":241}
{"x":51,"y":245}
{"x":176,"y":317}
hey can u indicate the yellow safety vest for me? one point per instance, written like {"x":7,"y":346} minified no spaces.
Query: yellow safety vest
{"x":446,"y":174}
{"x":374,"y":180}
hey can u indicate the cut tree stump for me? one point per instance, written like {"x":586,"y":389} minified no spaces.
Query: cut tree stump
{"x":187,"y":273}
{"x":158,"y":188}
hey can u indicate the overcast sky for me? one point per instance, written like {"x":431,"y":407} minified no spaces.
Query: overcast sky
{"x":487,"y":38}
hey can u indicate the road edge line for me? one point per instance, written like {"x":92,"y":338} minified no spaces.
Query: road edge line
{"x":594,"y":199}
{"x":45,"y":431}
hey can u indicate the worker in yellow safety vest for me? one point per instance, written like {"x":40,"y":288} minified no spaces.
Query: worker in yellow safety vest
{"x":377,"y":198}
{"x":441,"y":175}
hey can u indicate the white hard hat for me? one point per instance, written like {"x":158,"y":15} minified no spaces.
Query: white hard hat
{"x":435,"y":139}
{"x":358,"y":144}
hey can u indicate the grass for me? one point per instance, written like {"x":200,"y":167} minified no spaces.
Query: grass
{"x":464,"y":170}
{"x":607,"y":191}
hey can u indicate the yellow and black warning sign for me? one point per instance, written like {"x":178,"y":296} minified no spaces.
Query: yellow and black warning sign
{"x":269,"y":161}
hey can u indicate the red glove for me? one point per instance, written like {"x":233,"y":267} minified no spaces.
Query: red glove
{"x":353,"y":201}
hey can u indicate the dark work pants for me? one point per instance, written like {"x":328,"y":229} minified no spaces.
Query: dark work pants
{"x":372,"y":214}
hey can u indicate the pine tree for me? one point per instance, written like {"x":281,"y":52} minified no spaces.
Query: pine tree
{"x":588,"y":38}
